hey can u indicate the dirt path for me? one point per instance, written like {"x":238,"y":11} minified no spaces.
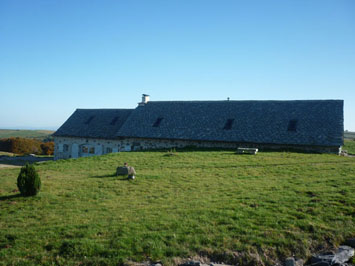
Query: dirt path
{"x":8,"y":166}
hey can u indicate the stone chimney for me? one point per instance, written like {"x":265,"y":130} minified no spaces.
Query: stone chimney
{"x":145,"y":99}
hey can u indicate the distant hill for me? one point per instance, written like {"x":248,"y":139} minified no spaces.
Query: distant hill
{"x":349,"y":135}
{"x":33,"y":134}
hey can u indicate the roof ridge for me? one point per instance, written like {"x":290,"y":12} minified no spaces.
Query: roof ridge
{"x":214,"y":101}
{"x":105,"y":109}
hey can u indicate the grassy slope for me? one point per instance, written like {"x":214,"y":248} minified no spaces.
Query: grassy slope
{"x":349,"y":146}
{"x":40,"y":134}
{"x":214,"y":203}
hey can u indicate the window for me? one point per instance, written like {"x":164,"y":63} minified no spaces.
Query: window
{"x":292,"y":125}
{"x":65,"y":147}
{"x":157,"y":122}
{"x":114,"y":121}
{"x":89,"y":120}
{"x":108,"y":150}
{"x":228,"y":124}
{"x":92,"y":150}
{"x":84,"y":149}
{"x":60,"y":147}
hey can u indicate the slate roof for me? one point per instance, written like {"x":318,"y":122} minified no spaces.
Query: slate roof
{"x":315,"y":122}
{"x":94,"y":123}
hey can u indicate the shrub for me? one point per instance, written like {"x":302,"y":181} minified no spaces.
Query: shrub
{"x":21,"y":145}
{"x":28,"y":181}
{"x":47,"y":148}
{"x":26,"y":146}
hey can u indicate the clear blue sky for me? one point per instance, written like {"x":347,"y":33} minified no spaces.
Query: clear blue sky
{"x":56,"y":56}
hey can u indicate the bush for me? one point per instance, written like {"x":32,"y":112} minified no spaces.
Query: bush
{"x":26,"y":146}
{"x":28,"y":181}
{"x":47,"y":148}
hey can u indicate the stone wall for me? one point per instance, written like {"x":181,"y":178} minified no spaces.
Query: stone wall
{"x":64,"y":146}
{"x":68,"y":147}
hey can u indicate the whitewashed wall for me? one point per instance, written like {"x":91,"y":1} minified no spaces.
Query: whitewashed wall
{"x":67,"y":147}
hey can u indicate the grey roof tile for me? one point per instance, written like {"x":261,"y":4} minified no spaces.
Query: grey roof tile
{"x":94,"y":123}
{"x":319,"y":122}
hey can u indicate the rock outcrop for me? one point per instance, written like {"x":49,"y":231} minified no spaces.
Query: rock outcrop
{"x":338,"y":258}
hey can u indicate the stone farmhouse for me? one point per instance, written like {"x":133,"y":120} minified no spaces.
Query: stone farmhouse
{"x":302,"y":125}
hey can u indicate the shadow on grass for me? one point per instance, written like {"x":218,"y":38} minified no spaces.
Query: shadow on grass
{"x":120,"y":178}
{"x":22,"y":160}
{"x":102,"y":176}
{"x":3,"y":198}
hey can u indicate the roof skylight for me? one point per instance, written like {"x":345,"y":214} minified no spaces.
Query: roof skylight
{"x":292,"y":125}
{"x":229,"y":123}
{"x":158,"y":121}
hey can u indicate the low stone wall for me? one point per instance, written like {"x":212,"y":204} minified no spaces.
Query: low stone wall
{"x":68,"y":147}
{"x":138,"y":144}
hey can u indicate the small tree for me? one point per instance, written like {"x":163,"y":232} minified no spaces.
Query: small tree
{"x":28,"y":181}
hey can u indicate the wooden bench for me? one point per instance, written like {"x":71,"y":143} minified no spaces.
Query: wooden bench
{"x":247,"y":150}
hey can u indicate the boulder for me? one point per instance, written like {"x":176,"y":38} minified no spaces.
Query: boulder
{"x":126,"y":170}
{"x":131,"y":171}
{"x":191,"y":263}
{"x":290,"y":262}
{"x":343,"y":254}
{"x":122,"y":170}
{"x":339,"y":258}
{"x":293,"y":262}
{"x":247,"y":151}
{"x":198,"y":263}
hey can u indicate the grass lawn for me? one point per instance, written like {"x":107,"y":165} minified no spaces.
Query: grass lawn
{"x":349,"y":146}
{"x":210,"y":203}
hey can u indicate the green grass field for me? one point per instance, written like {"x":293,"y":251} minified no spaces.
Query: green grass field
{"x":217,"y":204}
{"x":349,"y":145}
{"x":36,"y":134}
